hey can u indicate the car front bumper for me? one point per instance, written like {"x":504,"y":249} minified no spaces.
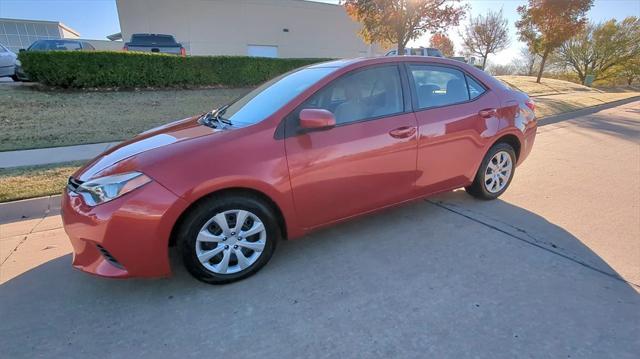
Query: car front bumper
{"x":126,"y":237}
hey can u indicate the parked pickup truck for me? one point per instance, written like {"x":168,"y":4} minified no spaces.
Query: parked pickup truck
{"x":160,"y":43}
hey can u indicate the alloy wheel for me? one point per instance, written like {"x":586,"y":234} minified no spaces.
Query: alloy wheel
{"x":231,"y":241}
{"x":498,"y":172}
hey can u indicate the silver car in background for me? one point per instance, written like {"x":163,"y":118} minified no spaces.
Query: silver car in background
{"x":7,"y":63}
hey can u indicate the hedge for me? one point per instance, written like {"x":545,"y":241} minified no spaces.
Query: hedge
{"x":104,"y":69}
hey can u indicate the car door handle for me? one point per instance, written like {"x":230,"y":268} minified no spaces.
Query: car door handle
{"x":487,"y":112}
{"x":403,"y":132}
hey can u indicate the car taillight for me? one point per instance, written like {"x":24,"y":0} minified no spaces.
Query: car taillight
{"x":530,"y":104}
{"x":183,"y":52}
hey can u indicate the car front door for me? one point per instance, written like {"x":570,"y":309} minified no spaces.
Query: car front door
{"x":456,"y":115}
{"x":367,"y":161}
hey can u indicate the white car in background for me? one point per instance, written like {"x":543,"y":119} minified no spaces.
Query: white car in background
{"x":7,"y":63}
{"x":421,"y":51}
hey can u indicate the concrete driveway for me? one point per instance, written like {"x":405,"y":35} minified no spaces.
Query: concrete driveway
{"x":547,"y":271}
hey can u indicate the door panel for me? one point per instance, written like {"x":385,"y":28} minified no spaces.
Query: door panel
{"x":351,"y":169}
{"x":455,"y":124}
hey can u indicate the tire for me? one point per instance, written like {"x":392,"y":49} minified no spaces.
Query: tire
{"x":15,"y":78}
{"x":486,"y":186}
{"x":201,"y":233}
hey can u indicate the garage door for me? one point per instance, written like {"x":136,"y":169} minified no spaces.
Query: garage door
{"x":262,"y":51}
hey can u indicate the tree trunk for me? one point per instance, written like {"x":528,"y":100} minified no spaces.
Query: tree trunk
{"x":531,"y":66}
{"x":484,"y":61}
{"x":544,"y":59}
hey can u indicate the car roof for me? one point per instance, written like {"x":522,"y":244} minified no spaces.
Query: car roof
{"x":364,"y":61}
{"x":350,"y":64}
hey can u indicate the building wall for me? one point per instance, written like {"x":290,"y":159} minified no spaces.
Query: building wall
{"x":19,"y":34}
{"x":229,"y":27}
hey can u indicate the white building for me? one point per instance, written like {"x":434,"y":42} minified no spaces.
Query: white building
{"x":271,"y":28}
{"x":18,"y":34}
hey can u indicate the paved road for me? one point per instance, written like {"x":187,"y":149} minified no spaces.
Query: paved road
{"x":545,"y":272}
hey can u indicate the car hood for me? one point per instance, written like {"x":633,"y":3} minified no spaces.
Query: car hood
{"x":153,"y":139}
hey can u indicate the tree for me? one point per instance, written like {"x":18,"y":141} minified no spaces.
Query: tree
{"x":601,"y":50}
{"x":399,"y":21}
{"x":525,"y":64}
{"x":442,"y":43}
{"x":486,"y":35}
{"x":545,"y":24}
{"x":502,"y":69}
{"x":630,"y":71}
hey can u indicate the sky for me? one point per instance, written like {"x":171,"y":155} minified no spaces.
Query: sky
{"x":95,"y":19}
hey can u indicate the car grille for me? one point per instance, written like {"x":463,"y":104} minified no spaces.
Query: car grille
{"x":111,"y":259}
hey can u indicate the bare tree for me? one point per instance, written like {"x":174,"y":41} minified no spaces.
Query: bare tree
{"x":526,"y":62}
{"x":486,"y":35}
{"x":502,"y":69}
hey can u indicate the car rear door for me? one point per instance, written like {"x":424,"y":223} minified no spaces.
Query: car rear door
{"x":456,"y":117}
{"x":367,"y":161}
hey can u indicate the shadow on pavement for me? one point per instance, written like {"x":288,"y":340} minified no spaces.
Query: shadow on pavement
{"x":430,"y":279}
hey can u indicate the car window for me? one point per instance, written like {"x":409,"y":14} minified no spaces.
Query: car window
{"x":55,"y":45}
{"x":434,"y":52}
{"x":360,"y":95}
{"x":475,"y":89}
{"x":153,"y":40}
{"x":438,"y":86}
{"x":272,"y":95}
{"x":2,"y":49}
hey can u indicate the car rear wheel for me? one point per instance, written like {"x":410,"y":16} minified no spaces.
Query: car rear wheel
{"x":228,"y":238}
{"x":495,"y":173}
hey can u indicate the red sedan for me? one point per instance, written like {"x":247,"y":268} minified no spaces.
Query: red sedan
{"x":307,"y":149}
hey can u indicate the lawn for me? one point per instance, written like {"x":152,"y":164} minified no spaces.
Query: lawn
{"x":30,"y":118}
{"x":547,"y":86}
{"x":28,"y":182}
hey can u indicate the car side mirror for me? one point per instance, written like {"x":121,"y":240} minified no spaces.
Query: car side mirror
{"x":316,"y":120}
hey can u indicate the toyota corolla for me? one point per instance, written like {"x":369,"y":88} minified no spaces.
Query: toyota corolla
{"x":308,"y":149}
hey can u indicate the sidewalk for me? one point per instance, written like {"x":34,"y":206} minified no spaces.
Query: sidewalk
{"x":51,"y":155}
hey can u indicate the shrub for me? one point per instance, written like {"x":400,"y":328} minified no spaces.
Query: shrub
{"x":105,"y":69}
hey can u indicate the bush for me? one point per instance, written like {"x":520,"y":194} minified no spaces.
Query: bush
{"x":105,"y":69}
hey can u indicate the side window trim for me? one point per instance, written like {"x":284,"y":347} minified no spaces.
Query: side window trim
{"x":414,"y":90}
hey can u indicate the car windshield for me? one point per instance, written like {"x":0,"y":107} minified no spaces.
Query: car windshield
{"x":53,"y":45}
{"x":270,"y":96}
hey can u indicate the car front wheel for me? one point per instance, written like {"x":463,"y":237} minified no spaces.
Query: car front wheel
{"x":229,"y":238}
{"x":495,"y":173}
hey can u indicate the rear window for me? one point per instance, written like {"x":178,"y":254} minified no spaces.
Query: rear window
{"x":55,"y":45}
{"x":158,"y":40}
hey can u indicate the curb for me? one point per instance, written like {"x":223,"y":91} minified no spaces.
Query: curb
{"x":29,"y":208}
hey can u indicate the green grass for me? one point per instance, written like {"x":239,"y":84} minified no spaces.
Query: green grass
{"x":31,"y":118}
{"x":35,"y":181}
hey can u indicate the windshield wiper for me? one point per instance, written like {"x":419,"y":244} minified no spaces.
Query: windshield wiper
{"x":216,"y":115}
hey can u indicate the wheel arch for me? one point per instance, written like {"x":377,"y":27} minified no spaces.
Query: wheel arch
{"x":512,"y":140}
{"x":226,"y":191}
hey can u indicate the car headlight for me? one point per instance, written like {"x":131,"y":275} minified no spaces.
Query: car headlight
{"x":105,"y":189}
{"x":18,"y":63}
